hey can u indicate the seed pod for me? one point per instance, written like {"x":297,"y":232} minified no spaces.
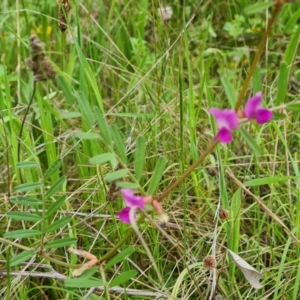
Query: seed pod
{"x":39,"y":63}
{"x":63,"y":11}
{"x":209,"y":262}
{"x":223,"y":214}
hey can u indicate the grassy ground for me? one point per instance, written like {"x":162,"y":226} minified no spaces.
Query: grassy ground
{"x":136,"y":90}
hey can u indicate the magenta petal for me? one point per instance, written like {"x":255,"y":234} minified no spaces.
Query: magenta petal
{"x":252,"y":105}
{"x":226,"y":118}
{"x":231,"y":118}
{"x":224,"y":136}
{"x":263,"y":115}
{"x":124,"y":215}
{"x":215,"y":112}
{"x":132,"y":200}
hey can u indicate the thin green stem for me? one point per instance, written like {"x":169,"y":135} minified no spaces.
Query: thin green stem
{"x":173,"y":185}
{"x":257,"y":58}
{"x":22,"y":126}
{"x":61,"y":263}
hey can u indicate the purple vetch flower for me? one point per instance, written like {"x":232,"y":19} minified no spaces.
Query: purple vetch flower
{"x":227,"y":121}
{"x":254,"y":110}
{"x":131,"y":201}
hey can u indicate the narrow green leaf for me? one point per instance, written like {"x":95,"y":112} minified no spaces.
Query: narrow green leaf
{"x":83,"y":283}
{"x":56,"y":186}
{"x":133,"y":115}
{"x":282,"y":83}
{"x":278,"y":116}
{"x":103,"y":126}
{"x":22,"y":233}
{"x":116,"y":175}
{"x":291,"y":23}
{"x":257,"y":80}
{"x":157,"y":174}
{"x":55,"y":206}
{"x":119,"y":145}
{"x":26,"y":201}
{"x":85,"y":108}
{"x":139,"y":162}
{"x":89,"y":273}
{"x":267,"y":180}
{"x":66,"y":242}
{"x":58,"y":224}
{"x":102,"y":158}
{"x":19,"y":258}
{"x":70,"y":115}
{"x":257,"y":7}
{"x":120,"y":257}
{"x":53,"y":168}
{"x":87,"y":135}
{"x":127,"y":185}
{"x":251,"y":142}
{"x":229,"y":91}
{"x":27,"y":165}
{"x":89,"y":74}
{"x":293,"y":107}
{"x":23,"y":216}
{"x":66,"y":88}
{"x":123,"y":277}
{"x":29,"y":186}
{"x":292,"y":48}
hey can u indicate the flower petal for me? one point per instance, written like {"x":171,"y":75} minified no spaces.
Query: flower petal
{"x":132,"y":200}
{"x":252,"y":105}
{"x":231,"y":118}
{"x":124,"y":215}
{"x":217,"y":113}
{"x":224,"y":135}
{"x":225,"y":118}
{"x":263,"y":115}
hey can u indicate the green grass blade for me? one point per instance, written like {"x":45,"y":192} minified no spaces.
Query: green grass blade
{"x":119,"y":145}
{"x":157,"y":175}
{"x":103,"y":126}
{"x":87,"y":135}
{"x":257,"y":7}
{"x":282,"y":83}
{"x":250,"y":141}
{"x":229,"y":91}
{"x":27,"y":165}
{"x":139,"y":162}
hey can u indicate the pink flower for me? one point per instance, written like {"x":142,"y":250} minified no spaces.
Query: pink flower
{"x":131,"y":201}
{"x":254,"y":109}
{"x":227,"y":121}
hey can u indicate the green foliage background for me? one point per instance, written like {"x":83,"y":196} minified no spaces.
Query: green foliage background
{"x":129,"y":108}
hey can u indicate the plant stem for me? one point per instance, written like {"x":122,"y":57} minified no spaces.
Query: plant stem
{"x":257,"y":57}
{"x":173,"y":185}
